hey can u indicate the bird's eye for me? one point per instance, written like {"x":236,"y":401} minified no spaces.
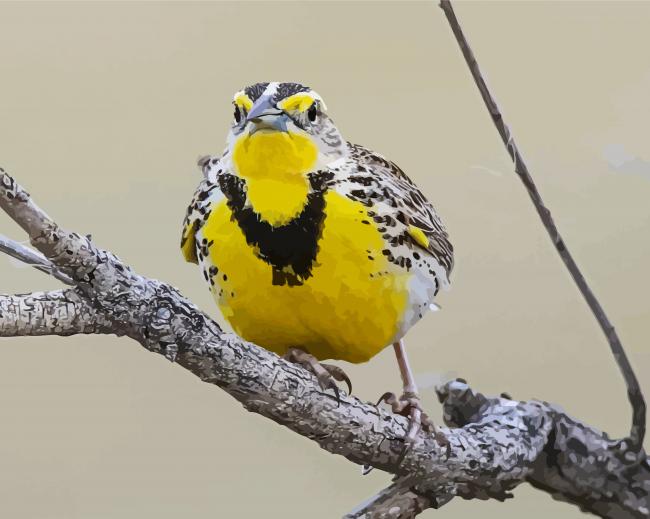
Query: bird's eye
{"x":237,"y":114}
{"x":312,"y":112}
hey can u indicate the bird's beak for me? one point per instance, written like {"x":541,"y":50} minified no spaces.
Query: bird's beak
{"x":264,"y":116}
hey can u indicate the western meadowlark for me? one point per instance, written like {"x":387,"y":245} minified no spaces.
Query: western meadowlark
{"x":313,"y":247}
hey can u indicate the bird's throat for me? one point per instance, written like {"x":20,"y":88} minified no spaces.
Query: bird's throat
{"x":274,"y":166}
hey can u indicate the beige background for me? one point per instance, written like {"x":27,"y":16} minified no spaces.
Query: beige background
{"x":103,"y":111}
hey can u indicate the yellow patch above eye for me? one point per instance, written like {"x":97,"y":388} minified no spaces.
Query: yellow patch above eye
{"x":243,"y":101}
{"x":299,"y":102}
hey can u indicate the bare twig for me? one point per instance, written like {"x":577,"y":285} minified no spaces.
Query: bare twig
{"x":635,"y":396}
{"x":396,"y":500}
{"x":32,"y":258}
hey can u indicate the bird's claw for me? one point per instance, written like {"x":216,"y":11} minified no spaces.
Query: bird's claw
{"x":409,"y":405}
{"x":326,"y":374}
{"x":326,"y":381}
{"x":339,"y":375}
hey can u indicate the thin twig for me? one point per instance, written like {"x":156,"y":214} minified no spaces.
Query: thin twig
{"x":396,"y":500}
{"x":635,"y":396}
{"x":32,"y":258}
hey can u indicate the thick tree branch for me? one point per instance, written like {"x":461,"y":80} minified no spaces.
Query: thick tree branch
{"x":60,"y":312}
{"x":635,"y":396}
{"x":576,"y":463}
{"x":494,"y":443}
{"x":72,"y":254}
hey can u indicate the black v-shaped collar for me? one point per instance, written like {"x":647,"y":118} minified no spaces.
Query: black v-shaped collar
{"x":290,"y":249}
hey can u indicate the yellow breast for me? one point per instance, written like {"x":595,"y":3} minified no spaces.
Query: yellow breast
{"x":349,"y":308}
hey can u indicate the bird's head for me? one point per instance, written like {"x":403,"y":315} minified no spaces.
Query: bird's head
{"x":284,"y":128}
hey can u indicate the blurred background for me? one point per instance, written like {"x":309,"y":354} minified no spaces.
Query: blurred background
{"x":104,"y":109}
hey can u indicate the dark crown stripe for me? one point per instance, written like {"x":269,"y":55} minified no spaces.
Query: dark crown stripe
{"x":288,"y":89}
{"x":255,"y":91}
{"x":284,"y":90}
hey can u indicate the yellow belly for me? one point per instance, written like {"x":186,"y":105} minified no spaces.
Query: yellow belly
{"x":349,"y":309}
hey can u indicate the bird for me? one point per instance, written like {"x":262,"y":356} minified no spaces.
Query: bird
{"x":313,"y":247}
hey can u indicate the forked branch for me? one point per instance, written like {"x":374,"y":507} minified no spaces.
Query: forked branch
{"x":494,"y":443}
{"x":635,"y":396}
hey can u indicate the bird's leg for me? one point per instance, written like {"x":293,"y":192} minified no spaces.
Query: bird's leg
{"x":326,"y":374}
{"x":409,"y":403}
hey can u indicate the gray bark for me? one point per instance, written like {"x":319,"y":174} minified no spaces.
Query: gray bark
{"x":494,"y":443}
{"x":60,"y":312}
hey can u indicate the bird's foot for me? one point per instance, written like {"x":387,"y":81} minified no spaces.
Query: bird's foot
{"x":409,"y":405}
{"x":327,"y":374}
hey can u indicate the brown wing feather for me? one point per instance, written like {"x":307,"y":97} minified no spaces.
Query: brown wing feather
{"x":411,"y":207}
{"x":199,"y":208}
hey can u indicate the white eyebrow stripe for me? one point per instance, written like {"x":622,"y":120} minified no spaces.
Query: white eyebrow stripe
{"x":271,"y":89}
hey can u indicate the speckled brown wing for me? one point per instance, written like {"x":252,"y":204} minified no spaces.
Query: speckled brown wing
{"x":206,"y":194}
{"x":397,"y":206}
